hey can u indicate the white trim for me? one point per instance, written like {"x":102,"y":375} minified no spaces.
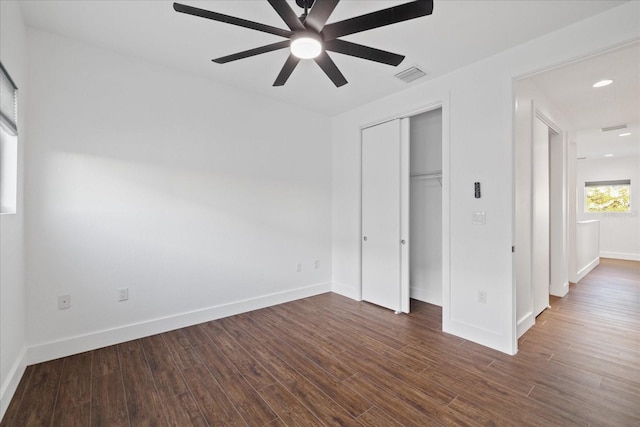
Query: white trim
{"x":527,"y":321}
{"x":579,"y":58}
{"x":446,"y":212}
{"x":587,"y":269}
{"x":10,"y":384}
{"x":405,"y":232}
{"x":620,"y":255}
{"x":560,"y":292}
{"x":80,"y":343}
{"x":424,"y":295}
{"x":430,"y":106}
{"x":547,"y":121}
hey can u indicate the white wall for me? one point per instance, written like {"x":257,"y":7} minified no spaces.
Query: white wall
{"x":478,"y":146}
{"x":199,"y":198}
{"x":425,"y":266}
{"x":13,"y":46}
{"x":619,"y":233}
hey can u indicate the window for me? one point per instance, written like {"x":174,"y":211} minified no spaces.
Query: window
{"x":8,"y":143}
{"x":607,"y":196}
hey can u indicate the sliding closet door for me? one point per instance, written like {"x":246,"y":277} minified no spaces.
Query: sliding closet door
{"x":383,"y":277}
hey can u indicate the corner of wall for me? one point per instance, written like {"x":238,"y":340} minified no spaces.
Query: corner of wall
{"x":346,"y":291}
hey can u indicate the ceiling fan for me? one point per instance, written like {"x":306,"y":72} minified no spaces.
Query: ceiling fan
{"x":309,"y":37}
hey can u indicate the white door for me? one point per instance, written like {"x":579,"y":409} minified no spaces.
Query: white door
{"x":384,"y":204}
{"x":540,"y":273}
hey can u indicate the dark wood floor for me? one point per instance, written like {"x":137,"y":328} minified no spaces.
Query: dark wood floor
{"x":331,"y":361}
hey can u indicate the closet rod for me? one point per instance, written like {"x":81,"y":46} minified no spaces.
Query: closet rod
{"x":436,"y":174}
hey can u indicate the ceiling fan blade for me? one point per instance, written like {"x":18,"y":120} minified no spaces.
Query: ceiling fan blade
{"x":319,"y":14}
{"x":287,"y":69}
{"x":190,"y":10}
{"x":391,"y":15}
{"x":287,"y":14}
{"x":364,"y":52}
{"x":330,"y":69}
{"x":252,"y":52}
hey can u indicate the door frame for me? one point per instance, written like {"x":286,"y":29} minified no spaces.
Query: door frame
{"x":434,"y":104}
{"x":558,"y":212}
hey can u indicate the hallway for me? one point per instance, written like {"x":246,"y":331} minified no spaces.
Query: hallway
{"x":591,"y":338}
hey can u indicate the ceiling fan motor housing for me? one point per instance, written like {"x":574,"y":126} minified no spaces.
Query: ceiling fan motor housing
{"x":305,"y":4}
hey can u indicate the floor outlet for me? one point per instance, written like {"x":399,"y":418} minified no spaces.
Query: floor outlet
{"x":64,"y":302}
{"x":123,"y":294}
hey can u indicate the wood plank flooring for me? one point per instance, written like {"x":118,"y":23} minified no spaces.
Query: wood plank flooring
{"x":331,"y":361}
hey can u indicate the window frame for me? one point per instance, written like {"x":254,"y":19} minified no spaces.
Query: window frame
{"x":607,"y":183}
{"x":9,"y":120}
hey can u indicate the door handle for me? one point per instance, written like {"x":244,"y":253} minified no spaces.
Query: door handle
{"x":403,"y":241}
{"x":364,"y":238}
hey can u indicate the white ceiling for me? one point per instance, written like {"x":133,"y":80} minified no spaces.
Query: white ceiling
{"x":458,"y":33}
{"x":590,"y":109}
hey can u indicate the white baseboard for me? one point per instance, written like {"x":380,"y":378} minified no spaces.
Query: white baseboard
{"x":525,"y":324}
{"x":620,"y":255}
{"x":425,"y":296}
{"x":347,"y":291}
{"x":586,"y":269}
{"x":81,"y":343}
{"x":559,"y":291}
{"x":9,"y":386}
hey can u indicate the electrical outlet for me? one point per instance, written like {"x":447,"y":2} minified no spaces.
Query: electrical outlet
{"x":479,"y":218}
{"x":299,"y":268}
{"x":123,"y":294}
{"x":316,"y":264}
{"x":64,"y":302}
{"x":482,"y":297}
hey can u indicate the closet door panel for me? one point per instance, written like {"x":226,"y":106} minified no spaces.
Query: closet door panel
{"x":381,"y":215}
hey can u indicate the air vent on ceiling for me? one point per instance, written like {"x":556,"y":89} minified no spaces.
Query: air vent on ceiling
{"x":410,"y":74}
{"x":618,"y":127}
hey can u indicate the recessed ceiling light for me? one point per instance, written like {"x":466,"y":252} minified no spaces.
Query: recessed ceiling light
{"x":608,"y":155}
{"x":625,"y":134}
{"x":602,"y":83}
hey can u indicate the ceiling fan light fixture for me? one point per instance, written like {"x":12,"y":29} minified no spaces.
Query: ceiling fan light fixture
{"x":306,"y":45}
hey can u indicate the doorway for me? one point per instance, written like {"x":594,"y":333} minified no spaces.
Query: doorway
{"x":540,"y":207}
{"x":547,"y":210}
{"x":599,"y":142}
